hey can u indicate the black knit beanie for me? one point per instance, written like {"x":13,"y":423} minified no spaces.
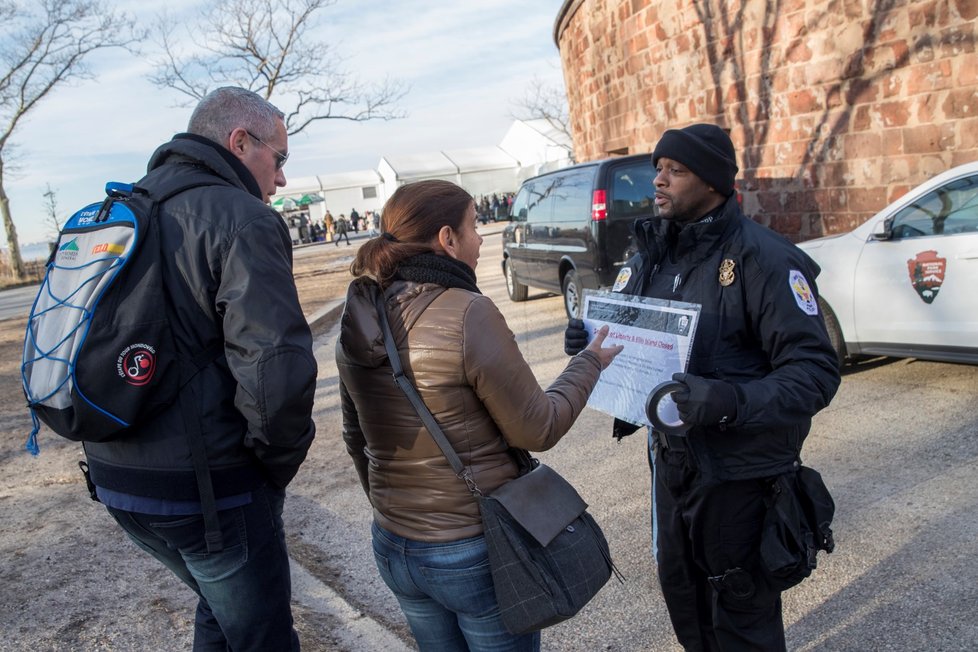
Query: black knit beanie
{"x":706,"y":150}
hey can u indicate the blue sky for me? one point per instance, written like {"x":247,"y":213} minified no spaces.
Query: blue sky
{"x":466,"y":64}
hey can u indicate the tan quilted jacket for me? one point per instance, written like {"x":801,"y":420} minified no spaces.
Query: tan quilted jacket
{"x":463,"y":359}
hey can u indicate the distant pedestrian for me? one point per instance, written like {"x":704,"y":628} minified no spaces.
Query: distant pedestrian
{"x":341,"y":229}
{"x":484,"y":210}
{"x":330,"y":223}
{"x":355,"y":220}
{"x":373,"y":220}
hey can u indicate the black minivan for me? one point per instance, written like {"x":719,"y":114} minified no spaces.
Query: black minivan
{"x":571,"y":228}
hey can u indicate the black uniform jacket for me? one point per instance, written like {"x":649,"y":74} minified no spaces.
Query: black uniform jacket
{"x":759,"y":329}
{"x":228,"y":273}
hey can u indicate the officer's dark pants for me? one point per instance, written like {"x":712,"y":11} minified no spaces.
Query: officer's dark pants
{"x":707,"y":530}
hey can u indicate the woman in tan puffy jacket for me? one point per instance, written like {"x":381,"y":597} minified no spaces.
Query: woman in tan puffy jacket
{"x":463,"y":359}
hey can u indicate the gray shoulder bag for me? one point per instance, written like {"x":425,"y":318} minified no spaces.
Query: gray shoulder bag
{"x":547,"y":555}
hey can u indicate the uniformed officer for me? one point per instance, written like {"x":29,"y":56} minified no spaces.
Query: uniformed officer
{"x":760,"y":368}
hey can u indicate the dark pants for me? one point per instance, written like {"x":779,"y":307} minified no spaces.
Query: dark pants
{"x":341,"y":234}
{"x":713,"y":531}
{"x":245,"y":590}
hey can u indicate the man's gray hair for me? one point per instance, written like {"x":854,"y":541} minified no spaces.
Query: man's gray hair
{"x":229,"y":107}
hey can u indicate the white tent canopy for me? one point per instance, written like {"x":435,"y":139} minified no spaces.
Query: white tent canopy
{"x":480,"y":170}
{"x":528,"y":147}
{"x":341,"y":192}
{"x":538,"y":146}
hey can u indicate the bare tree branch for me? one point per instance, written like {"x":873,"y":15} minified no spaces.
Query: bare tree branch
{"x":51,"y":210}
{"x":546,"y":102}
{"x":171,"y":76}
{"x":268,"y":46}
{"x":44,"y":45}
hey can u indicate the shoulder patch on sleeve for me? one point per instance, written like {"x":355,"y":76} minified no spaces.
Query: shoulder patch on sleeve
{"x":622,"y":280}
{"x":804,"y":296}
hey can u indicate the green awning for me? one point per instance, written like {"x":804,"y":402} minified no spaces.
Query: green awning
{"x":283,"y":203}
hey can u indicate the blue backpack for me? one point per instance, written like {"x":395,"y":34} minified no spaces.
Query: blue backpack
{"x":99,"y":354}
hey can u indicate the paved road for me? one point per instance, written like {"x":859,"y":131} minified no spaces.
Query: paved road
{"x":898,"y":448}
{"x":17,"y":302}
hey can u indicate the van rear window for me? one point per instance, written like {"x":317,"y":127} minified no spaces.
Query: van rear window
{"x":572,"y":195}
{"x":631,"y":190}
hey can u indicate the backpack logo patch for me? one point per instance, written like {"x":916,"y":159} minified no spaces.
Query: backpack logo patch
{"x":69,"y":250}
{"x":137,"y":364}
{"x":108,"y":248}
{"x":88,"y":216}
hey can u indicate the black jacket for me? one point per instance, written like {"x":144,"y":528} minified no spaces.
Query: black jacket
{"x":228,"y":273}
{"x":759,"y":330}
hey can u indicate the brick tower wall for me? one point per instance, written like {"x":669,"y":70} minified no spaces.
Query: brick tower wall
{"x":836,"y":107}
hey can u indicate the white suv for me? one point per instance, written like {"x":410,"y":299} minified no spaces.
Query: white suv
{"x":905,"y":283}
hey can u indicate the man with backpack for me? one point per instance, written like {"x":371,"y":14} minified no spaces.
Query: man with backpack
{"x":246,"y":393}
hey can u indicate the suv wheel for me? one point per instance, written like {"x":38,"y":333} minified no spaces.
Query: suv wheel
{"x":573,"y":298}
{"x":516,"y":290}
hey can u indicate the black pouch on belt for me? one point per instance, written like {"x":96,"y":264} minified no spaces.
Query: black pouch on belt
{"x":797,"y":525}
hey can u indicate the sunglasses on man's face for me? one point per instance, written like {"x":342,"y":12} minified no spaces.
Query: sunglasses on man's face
{"x":280,"y":158}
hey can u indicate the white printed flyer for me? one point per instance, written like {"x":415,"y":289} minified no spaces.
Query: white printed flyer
{"x":658,"y":338}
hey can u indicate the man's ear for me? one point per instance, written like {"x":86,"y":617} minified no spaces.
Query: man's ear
{"x":447,"y":240}
{"x":237,"y":142}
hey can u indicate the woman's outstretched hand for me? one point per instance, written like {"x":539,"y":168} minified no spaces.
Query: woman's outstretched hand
{"x":605,"y":353}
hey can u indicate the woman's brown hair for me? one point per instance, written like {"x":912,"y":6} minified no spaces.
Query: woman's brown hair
{"x":410,"y":221}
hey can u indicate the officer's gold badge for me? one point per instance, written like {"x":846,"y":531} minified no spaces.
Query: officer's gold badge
{"x":727,"y":272}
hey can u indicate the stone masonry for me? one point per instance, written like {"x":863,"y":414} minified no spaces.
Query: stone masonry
{"x":836,"y":107}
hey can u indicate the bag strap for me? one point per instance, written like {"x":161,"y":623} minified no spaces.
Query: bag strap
{"x":205,"y":488}
{"x":417,"y":402}
{"x":195,"y":438}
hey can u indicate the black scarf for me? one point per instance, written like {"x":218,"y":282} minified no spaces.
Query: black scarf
{"x":441,"y":270}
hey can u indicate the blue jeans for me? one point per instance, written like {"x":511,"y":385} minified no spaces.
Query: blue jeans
{"x":445,"y":590}
{"x":245,"y":590}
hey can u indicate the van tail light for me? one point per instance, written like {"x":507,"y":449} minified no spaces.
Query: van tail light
{"x":599,"y":209}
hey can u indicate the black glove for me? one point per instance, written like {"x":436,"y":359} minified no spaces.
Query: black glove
{"x":575,"y":337}
{"x":705,"y":402}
